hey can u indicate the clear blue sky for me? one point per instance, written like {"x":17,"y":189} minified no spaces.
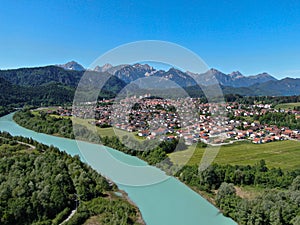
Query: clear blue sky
{"x":249,"y":36}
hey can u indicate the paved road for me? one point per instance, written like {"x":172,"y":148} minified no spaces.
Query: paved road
{"x":69,"y":217}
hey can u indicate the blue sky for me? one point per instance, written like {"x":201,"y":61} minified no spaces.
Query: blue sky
{"x":249,"y":36}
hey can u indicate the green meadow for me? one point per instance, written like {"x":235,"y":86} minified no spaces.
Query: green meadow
{"x":283,"y":154}
{"x":287,"y":105}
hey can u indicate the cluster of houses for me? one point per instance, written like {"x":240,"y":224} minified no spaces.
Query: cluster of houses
{"x":186,"y":118}
{"x":264,"y":134}
{"x":60,"y":111}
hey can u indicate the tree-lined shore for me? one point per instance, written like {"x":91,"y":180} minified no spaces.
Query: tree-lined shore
{"x":41,"y":186}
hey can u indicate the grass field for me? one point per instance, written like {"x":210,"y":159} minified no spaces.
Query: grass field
{"x":283,"y":154}
{"x":287,"y":105}
{"x":109,"y":131}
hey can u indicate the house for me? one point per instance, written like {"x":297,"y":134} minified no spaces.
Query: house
{"x":131,"y":129}
{"x":278,"y":138}
{"x":249,"y":132}
{"x":143,"y":133}
{"x":171,"y":137}
{"x":231,"y":134}
{"x":257,"y":141}
{"x":151,"y":137}
{"x":159,"y":131}
{"x":266,"y":140}
{"x":287,"y":132}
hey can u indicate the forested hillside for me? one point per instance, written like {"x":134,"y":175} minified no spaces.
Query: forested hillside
{"x":50,"y":94}
{"x":41,"y":75}
{"x":45,"y":86}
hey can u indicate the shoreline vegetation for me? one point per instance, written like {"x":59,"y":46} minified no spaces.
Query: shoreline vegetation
{"x":274,"y":193}
{"x":28,"y":198}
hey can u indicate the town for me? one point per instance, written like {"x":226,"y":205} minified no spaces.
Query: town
{"x":166,"y":119}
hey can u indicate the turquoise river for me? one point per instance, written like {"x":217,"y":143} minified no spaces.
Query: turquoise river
{"x":162,"y":200}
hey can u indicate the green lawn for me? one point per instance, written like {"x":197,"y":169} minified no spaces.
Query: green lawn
{"x":109,"y":131}
{"x":283,"y":154}
{"x":45,"y":109}
{"x":287,"y":105}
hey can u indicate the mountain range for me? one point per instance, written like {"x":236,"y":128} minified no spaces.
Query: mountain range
{"x":234,"y":79}
{"x":65,"y":78}
{"x":235,"y":82}
{"x":129,"y":73}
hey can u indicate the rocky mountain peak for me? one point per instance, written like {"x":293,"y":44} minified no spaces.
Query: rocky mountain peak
{"x":236,"y":74}
{"x":103,"y":68}
{"x":73,"y":65}
{"x":264,"y":74}
{"x":143,"y":66}
{"x":213,"y":71}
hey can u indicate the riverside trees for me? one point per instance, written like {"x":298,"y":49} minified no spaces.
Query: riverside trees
{"x":277,"y":202}
{"x":41,"y":185}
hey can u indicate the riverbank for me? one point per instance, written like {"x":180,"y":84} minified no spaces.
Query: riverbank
{"x":140,"y":217}
{"x":160,"y":202}
{"x":124,"y":195}
{"x":69,"y":181}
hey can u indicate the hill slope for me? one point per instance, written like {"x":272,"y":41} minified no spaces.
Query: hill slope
{"x":235,"y":79}
{"x":41,"y":75}
{"x":286,"y":86}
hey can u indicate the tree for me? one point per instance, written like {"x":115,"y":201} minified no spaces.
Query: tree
{"x":296,"y":220}
{"x":227,"y":200}
{"x":225,"y":190}
{"x":296,"y":184}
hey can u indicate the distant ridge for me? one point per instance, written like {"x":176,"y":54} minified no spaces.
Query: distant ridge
{"x":129,"y":73}
{"x":69,"y":74}
{"x":234,"y":79}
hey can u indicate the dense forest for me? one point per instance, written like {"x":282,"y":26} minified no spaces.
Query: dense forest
{"x":277,"y":198}
{"x":41,"y":185}
{"x":5,"y":110}
{"x":45,"y":86}
{"x":13,"y":96}
{"x":44,"y":123}
{"x":279,"y":119}
{"x":38,"y":76}
{"x":250,"y":100}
